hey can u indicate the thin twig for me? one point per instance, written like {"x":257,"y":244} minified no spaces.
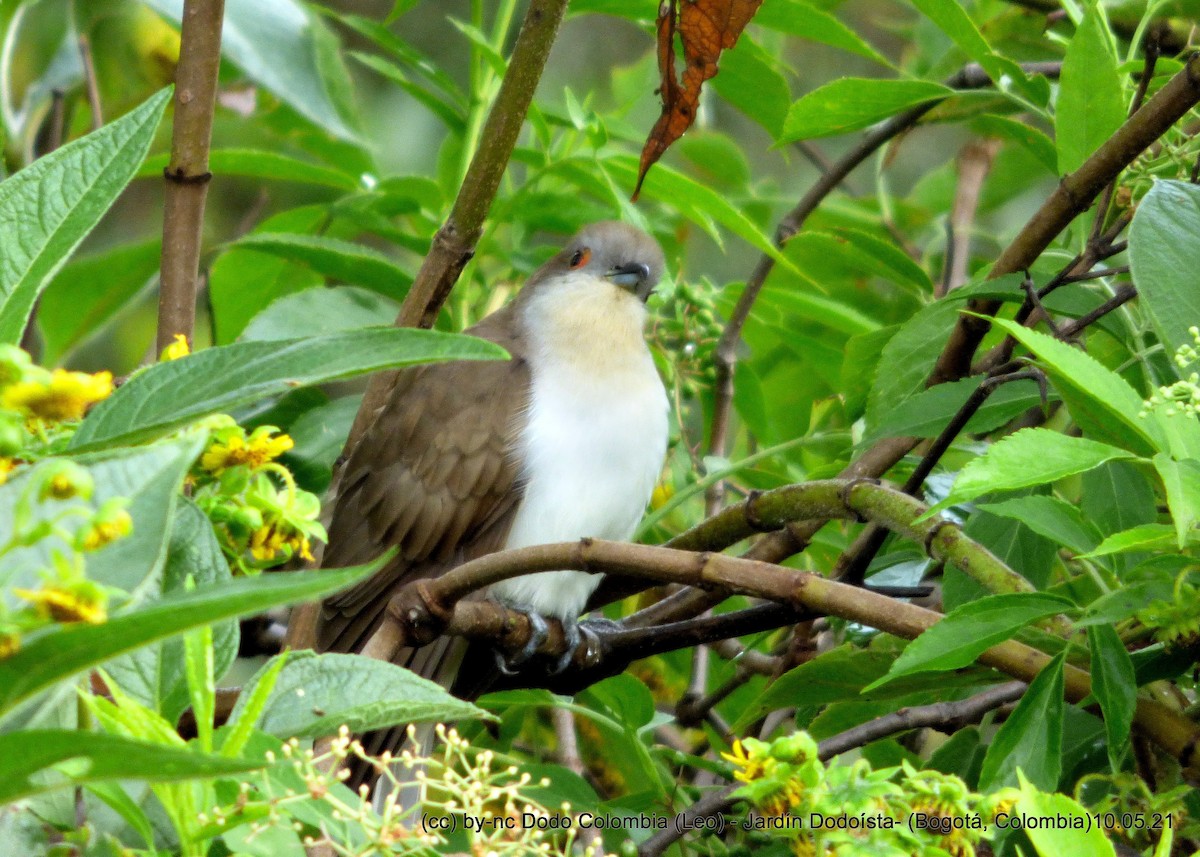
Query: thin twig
{"x":1122,"y":296}
{"x":90,"y":83}
{"x":187,"y":174}
{"x":974,"y":163}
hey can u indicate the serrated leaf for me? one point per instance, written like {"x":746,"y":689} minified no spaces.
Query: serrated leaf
{"x":1182,"y":481}
{"x":1051,"y":517}
{"x":50,"y":206}
{"x":1164,"y":255}
{"x":168,"y":395}
{"x":969,"y":631}
{"x":1115,"y":688}
{"x":1106,"y":407}
{"x":853,"y":103}
{"x":1091,"y":97}
{"x":57,"y":652}
{"x":1031,"y":738}
{"x":1032,"y":456}
{"x":28,"y":757}
{"x":1141,"y":537}
{"x":927,"y":413}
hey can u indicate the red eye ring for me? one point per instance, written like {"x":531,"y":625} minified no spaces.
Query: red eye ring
{"x":581,"y":258}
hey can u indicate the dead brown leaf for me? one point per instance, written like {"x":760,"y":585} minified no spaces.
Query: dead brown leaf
{"x":706,"y":27}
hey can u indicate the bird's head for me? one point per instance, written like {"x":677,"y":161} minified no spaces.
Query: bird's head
{"x":621,"y":254}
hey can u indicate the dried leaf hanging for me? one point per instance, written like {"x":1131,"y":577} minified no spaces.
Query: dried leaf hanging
{"x":706,"y":27}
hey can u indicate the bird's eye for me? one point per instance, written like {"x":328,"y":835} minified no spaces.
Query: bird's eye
{"x":581,"y":258}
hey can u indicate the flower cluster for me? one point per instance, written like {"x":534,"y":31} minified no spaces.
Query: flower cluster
{"x":1176,"y":623}
{"x":1182,"y":397}
{"x":261,"y":518}
{"x":685,"y":335}
{"x":53,"y":508}
{"x":456,"y":782}
{"x":39,"y":407}
{"x":785,"y":779}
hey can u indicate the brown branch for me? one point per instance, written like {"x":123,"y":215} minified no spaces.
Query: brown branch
{"x":90,"y":84}
{"x":454,"y":244}
{"x":418,"y":613}
{"x":187,"y":172}
{"x":1073,"y":196}
{"x":1123,"y":296}
{"x":974,"y":163}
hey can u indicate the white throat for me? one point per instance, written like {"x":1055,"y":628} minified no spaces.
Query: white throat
{"x":594,"y":436}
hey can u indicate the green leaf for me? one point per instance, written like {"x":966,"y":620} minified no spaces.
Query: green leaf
{"x":927,"y":413}
{"x":1115,"y":688}
{"x":908,"y":358}
{"x":1105,"y":406}
{"x":89,"y":292}
{"x":286,"y":48}
{"x":1031,"y":738}
{"x":853,"y":103}
{"x":51,"y":205}
{"x":1164,"y":254}
{"x":154,"y":675}
{"x":1139,"y":538}
{"x":1032,"y":456}
{"x":58,"y":652}
{"x":149,"y":477}
{"x":806,"y":21}
{"x":970,"y":630}
{"x":260,"y":164}
{"x":1091,"y":97}
{"x":1080,"y":836}
{"x":38,"y":760}
{"x":331,"y":257}
{"x":322,"y":310}
{"x":315,"y":694}
{"x":1182,"y":481}
{"x":445,"y":109}
{"x":168,"y":395}
{"x":750,"y":83}
{"x":1051,"y":517}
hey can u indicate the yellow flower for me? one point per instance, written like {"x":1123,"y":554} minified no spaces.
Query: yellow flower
{"x":65,"y":396}
{"x":269,"y":540}
{"x":80,"y":604}
{"x":260,"y":449}
{"x":663,"y":492}
{"x":751,"y":764}
{"x":7,"y":466}
{"x":178,"y":348}
{"x":108,"y":530}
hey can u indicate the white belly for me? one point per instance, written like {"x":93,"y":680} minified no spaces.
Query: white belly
{"x":593,"y":450}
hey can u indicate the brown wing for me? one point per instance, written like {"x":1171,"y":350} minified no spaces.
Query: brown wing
{"x":434,"y":476}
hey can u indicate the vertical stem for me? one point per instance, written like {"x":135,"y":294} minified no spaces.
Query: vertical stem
{"x":187,"y":173}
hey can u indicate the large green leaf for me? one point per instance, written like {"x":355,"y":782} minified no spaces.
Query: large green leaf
{"x":148,"y":477}
{"x":751,"y":83}
{"x":39,"y":760}
{"x":1032,"y":736}
{"x":322,"y":310}
{"x":89,"y":292}
{"x":1091,"y":98}
{"x":47,"y":208}
{"x":1114,"y":686}
{"x":1105,"y":406}
{"x":1182,"y":481}
{"x":350,"y":263}
{"x":807,"y":21}
{"x":154,"y":675}
{"x":1032,"y":456}
{"x":852,"y":103}
{"x":315,"y":694}
{"x":928,"y":412}
{"x":1164,"y":254}
{"x":1051,"y":517}
{"x":970,"y":630}
{"x":58,"y":652}
{"x":168,"y":395}
{"x":1076,"y":833}
{"x":286,"y":48}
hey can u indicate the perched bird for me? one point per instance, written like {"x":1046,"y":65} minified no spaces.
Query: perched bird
{"x":563,"y":441}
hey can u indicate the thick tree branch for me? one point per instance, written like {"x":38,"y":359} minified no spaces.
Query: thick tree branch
{"x":187,"y":172}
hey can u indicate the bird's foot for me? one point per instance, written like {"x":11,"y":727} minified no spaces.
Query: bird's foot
{"x":587,"y":631}
{"x":538,"y":631}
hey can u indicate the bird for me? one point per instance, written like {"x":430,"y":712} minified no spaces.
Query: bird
{"x":564,"y":440}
